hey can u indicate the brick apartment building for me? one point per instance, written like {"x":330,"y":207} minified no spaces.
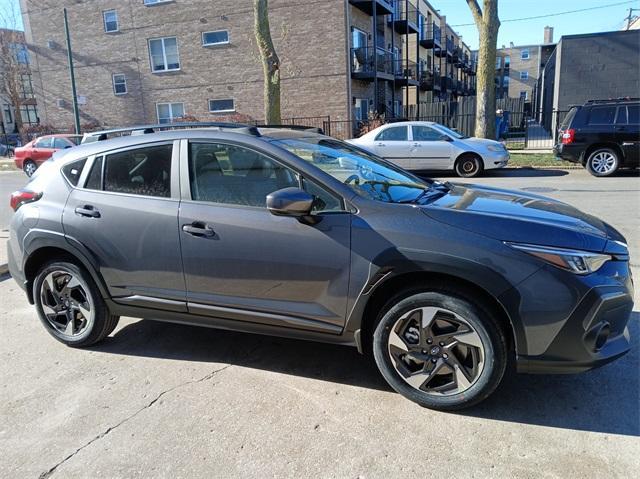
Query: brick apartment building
{"x":140,"y":61}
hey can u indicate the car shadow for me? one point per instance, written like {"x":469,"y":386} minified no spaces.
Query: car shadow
{"x":499,"y":173}
{"x":604,"y":400}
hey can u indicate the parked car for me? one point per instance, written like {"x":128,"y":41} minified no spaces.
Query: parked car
{"x":36,"y":152}
{"x":240,"y":228}
{"x":602,"y":135}
{"x":424,"y":145}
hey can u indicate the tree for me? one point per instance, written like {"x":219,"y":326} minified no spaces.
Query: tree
{"x":488,"y":24}
{"x":270,"y":62}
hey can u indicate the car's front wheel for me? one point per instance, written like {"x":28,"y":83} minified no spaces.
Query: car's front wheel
{"x":468,"y":166}
{"x":440,"y":349}
{"x":29,"y":167}
{"x":603,"y":162}
{"x":70,"y":306}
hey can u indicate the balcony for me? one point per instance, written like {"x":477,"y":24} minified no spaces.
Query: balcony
{"x":450,"y":49}
{"x":405,"y":17}
{"x":369,"y":63}
{"x":458,"y":58}
{"x":459,"y":87}
{"x":446,"y":83}
{"x":406,"y":73}
{"x":430,"y":36}
{"x":427,"y":82}
{"x":381,"y":7}
{"x":472,"y":68}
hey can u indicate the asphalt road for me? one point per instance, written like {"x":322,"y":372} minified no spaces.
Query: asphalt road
{"x":10,"y":181}
{"x":161,"y":400}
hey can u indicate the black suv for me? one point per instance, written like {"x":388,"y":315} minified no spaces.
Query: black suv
{"x":602,"y":135}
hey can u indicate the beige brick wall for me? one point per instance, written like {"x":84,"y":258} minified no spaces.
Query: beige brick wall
{"x":311,"y":41}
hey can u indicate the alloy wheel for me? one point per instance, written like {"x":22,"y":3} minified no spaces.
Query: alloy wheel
{"x":436,"y":351}
{"x":603,"y":162}
{"x":66,"y":304}
{"x":30,"y":168}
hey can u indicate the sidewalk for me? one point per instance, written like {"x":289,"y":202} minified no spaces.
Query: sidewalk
{"x":7,"y":164}
{"x":4,"y":236}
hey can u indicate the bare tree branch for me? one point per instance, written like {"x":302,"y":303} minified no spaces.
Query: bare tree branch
{"x":475,"y":11}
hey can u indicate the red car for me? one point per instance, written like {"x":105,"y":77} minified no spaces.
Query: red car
{"x":36,"y":152}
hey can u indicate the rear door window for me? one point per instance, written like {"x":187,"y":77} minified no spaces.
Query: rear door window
{"x":43,"y":143}
{"x":602,"y":115}
{"x":634,"y":114}
{"x":396,"y":133}
{"x":60,"y":143}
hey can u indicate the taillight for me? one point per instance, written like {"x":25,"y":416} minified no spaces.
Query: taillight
{"x":21,"y":197}
{"x":568,"y":136}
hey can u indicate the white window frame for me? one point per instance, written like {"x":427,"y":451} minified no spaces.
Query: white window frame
{"x":104,"y":20}
{"x":170,"y":103}
{"x":164,"y":55}
{"x":364,"y":113}
{"x":204,"y":44}
{"x":524,"y":75}
{"x":525,"y":55}
{"x":222,"y":111}
{"x":113,"y":81}
{"x":526,"y":95}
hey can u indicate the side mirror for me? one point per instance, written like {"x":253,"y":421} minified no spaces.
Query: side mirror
{"x":292,"y":202}
{"x":445,"y":138}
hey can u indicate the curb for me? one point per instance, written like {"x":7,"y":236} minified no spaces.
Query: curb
{"x":533,"y":167}
{"x":4,"y":269}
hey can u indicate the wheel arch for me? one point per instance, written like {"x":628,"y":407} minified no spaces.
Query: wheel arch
{"x":602,"y":144}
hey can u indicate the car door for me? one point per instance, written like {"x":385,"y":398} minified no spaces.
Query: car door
{"x":42,"y":149}
{"x":392,"y":143}
{"x":243,"y":263}
{"x":125,"y":215}
{"x":628,"y":132}
{"x":430,"y":150}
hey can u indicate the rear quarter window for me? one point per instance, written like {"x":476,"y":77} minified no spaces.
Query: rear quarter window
{"x":73,"y":170}
{"x":566,"y":122}
{"x":602,"y":115}
{"x":634,"y":114}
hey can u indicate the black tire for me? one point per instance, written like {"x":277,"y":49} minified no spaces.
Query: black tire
{"x":469,"y":166}
{"x":603,"y":162}
{"x":494,"y":352}
{"x":29,"y":167}
{"x":95,"y":329}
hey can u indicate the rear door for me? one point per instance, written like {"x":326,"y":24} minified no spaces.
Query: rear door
{"x":628,"y":132}
{"x":42,"y":149}
{"x":126,"y":214}
{"x":244,"y":264}
{"x":393,"y":144}
{"x":600,"y":124}
{"x":429,"y":150}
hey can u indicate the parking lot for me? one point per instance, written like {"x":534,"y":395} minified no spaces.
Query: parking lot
{"x":162,"y":400}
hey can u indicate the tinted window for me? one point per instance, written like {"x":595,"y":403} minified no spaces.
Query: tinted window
{"x":602,"y":115}
{"x":60,"y":144}
{"x":621,"y":116}
{"x":634,"y":114}
{"x":234,"y":175}
{"x":323,"y":200}
{"x":43,"y":143}
{"x":396,"y":133}
{"x":73,"y":170}
{"x":143,"y":171}
{"x":94,"y":180}
{"x":424,"y":133}
{"x":568,"y":118}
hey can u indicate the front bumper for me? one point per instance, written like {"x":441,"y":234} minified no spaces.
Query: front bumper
{"x":496,"y":160}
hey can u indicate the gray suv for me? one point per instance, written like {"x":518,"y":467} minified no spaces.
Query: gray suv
{"x":293,"y":233}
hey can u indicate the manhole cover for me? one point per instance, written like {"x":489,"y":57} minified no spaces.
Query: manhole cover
{"x":540,"y":189}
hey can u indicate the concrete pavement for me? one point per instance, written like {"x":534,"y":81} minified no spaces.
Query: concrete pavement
{"x":162,"y":400}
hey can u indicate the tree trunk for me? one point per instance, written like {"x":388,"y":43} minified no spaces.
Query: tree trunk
{"x":270,"y":63}
{"x":486,"y":88}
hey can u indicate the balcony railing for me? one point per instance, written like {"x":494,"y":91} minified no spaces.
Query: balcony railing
{"x":426,"y":78}
{"x":405,"y":17}
{"x":367,"y":62}
{"x":450,"y":46}
{"x":430,"y":36}
{"x":406,"y":71}
{"x":382,"y":7}
{"x":446,"y":82}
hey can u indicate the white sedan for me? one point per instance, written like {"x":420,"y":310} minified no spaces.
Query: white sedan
{"x":424,"y":145}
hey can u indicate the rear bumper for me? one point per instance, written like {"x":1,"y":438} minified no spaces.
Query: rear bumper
{"x":570,"y":153}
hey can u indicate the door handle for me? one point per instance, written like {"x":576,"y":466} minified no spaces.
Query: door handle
{"x":88,"y":211}
{"x":620,"y":128}
{"x":199,"y":229}
{"x":381,"y":144}
{"x":417,"y":145}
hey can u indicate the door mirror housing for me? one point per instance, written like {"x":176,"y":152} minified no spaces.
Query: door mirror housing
{"x":292,"y":202}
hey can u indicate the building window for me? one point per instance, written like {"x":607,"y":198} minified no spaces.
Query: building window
{"x":507,"y":61}
{"x":169,"y":112}
{"x":8,"y":117}
{"x":524,"y":75}
{"x":220,"y":37}
{"x":20,"y":52}
{"x":119,"y":84}
{"x":498,"y":63}
{"x":29,"y":114}
{"x":222,"y":106}
{"x":524,"y":54}
{"x":505,"y":81}
{"x":524,"y":95}
{"x":164,"y":54}
{"x":26,"y":87}
{"x":361,"y":108}
{"x":110,"y":18}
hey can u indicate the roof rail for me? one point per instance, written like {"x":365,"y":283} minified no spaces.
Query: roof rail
{"x":146,"y":129}
{"x":313,"y":129}
{"x":609,"y":100}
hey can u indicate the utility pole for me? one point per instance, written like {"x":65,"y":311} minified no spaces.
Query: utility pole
{"x":630,"y":17}
{"x":76,"y":114}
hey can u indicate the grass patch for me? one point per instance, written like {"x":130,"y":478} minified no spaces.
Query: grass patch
{"x":537,"y":159}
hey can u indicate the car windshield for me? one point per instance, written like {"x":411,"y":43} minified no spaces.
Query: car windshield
{"x":367,"y":175}
{"x":449,"y":131}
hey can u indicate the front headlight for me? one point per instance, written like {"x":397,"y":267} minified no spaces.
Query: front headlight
{"x":496,"y":148}
{"x":579,"y":262}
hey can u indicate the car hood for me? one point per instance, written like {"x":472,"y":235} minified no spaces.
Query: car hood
{"x":522,"y":218}
{"x":481,"y":142}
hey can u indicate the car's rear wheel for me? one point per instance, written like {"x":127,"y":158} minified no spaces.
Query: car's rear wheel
{"x":70,"y":306}
{"x":468,"y":166}
{"x":440,"y":349}
{"x":29,"y":167}
{"x":603,"y":162}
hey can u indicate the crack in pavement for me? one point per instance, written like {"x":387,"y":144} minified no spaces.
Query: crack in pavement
{"x":49,"y":472}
